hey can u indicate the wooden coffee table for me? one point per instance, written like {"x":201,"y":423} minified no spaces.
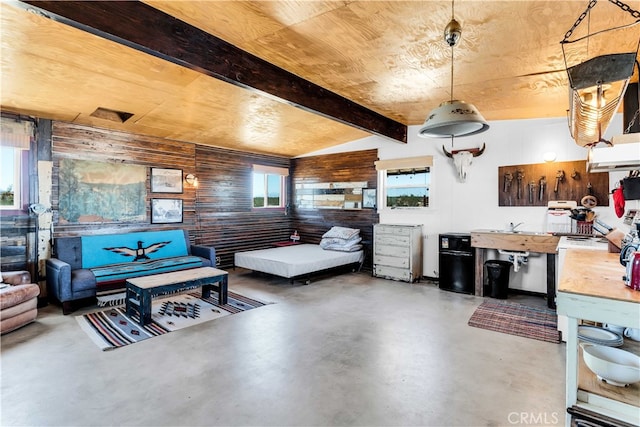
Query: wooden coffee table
{"x":141,"y":290}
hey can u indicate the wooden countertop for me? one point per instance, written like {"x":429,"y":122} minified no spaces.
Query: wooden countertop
{"x":531,"y":242}
{"x":597,"y":274}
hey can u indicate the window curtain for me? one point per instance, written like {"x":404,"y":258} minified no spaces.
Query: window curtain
{"x":15,"y":133}
{"x":406,"y":163}
{"x":271,"y":170}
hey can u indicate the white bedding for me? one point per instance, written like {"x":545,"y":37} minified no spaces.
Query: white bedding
{"x":295,"y":260}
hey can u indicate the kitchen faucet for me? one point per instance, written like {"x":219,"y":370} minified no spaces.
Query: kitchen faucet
{"x":513,"y":227}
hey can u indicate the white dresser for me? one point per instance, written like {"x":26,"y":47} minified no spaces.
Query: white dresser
{"x":397,"y":251}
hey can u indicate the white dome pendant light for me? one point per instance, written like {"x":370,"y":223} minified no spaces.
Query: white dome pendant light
{"x":454,"y":117}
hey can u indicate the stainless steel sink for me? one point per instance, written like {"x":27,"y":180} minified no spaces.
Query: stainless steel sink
{"x":535,"y":233}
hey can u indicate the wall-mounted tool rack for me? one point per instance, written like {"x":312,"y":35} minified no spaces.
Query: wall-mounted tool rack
{"x":536,"y":184}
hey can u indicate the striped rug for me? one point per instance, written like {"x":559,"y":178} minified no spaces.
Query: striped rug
{"x":112,"y":328}
{"x":538,"y":323}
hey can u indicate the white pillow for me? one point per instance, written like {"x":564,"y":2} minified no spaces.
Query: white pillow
{"x":341,"y":233}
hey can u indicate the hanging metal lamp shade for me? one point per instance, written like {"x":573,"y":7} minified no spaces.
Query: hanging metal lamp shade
{"x":453,"y":118}
{"x":596,"y":91}
{"x":597,"y":82}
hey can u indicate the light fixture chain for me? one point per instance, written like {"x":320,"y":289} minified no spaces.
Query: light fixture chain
{"x":592,"y":3}
{"x":633,"y":121}
{"x":583,"y":15}
{"x":626,"y":8}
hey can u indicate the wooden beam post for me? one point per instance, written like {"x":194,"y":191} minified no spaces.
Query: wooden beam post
{"x":156,"y":33}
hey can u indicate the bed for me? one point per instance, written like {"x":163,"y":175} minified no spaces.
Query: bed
{"x":297,"y":261}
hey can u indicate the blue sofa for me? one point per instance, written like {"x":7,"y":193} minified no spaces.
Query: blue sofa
{"x":90,"y":266}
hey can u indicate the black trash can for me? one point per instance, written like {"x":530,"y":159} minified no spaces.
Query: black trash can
{"x":498,"y":278}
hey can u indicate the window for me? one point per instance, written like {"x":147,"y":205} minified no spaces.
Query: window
{"x":407,"y":188}
{"x":10,"y":183}
{"x":269,"y":186}
{"x":405,"y":183}
{"x":15,"y":139}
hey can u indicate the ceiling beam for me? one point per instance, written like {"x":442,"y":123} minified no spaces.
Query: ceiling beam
{"x":154,"y":32}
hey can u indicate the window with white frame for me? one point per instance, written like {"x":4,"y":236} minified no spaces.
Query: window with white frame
{"x":269,"y":186}
{"x":404,"y":183}
{"x":15,"y":140}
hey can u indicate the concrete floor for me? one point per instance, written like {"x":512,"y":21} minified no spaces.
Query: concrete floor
{"x":346,"y":350}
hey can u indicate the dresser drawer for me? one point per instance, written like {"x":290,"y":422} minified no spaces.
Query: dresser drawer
{"x":391,"y":261}
{"x":392,"y":273}
{"x":388,"y":239}
{"x":396,"y":251}
{"x":393,"y":230}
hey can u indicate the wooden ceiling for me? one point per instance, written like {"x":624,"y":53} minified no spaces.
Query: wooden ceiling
{"x":386,"y":56}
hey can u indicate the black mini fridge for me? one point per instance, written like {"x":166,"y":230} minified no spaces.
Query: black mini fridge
{"x":457,"y":263}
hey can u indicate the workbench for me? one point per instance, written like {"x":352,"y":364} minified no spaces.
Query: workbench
{"x":516,"y":241}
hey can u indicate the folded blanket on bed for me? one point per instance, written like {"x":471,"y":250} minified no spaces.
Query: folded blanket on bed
{"x":336,"y":241}
{"x":338,"y":244}
{"x":353,"y":248}
{"x":341,"y":233}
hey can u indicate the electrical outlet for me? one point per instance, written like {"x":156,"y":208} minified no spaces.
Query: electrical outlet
{"x":217,"y":260}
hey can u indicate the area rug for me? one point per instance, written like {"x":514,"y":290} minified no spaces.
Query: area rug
{"x":538,"y":323}
{"x":112,"y":328}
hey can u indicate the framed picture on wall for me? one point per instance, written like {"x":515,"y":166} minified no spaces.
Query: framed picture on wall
{"x":166,"y":211}
{"x":369,"y":198}
{"x":166,"y":180}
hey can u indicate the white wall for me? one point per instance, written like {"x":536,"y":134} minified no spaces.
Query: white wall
{"x":462,"y":207}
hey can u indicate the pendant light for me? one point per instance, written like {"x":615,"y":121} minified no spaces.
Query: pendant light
{"x":598,"y":83}
{"x":454,"y":117}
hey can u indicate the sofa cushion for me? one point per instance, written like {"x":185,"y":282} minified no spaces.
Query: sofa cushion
{"x":69,"y":250}
{"x":9,"y":324}
{"x":15,"y":310}
{"x":82,"y":279}
{"x":102,"y":250}
{"x":118,"y":273}
{"x":14,"y":295}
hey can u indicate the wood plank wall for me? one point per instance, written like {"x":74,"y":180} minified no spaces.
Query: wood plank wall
{"x":311,"y":224}
{"x":72,"y":141}
{"x":219,"y":212}
{"x":226,"y":217}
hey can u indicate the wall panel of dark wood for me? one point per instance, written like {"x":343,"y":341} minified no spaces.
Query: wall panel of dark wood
{"x":219,"y":212}
{"x":226,"y":217}
{"x":311,"y":224}
{"x":88,"y":143}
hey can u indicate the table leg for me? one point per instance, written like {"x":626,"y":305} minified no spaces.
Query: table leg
{"x":222,"y":285}
{"x":551,"y":281}
{"x":206,"y":290}
{"x":145,"y":307}
{"x":479,"y":282}
{"x":222,"y":290}
{"x":127,"y":302}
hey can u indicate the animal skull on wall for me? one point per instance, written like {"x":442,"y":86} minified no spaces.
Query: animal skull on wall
{"x":462,"y":159}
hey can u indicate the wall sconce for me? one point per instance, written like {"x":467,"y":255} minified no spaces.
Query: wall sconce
{"x":192,"y":180}
{"x":597,"y":85}
{"x":549,"y":156}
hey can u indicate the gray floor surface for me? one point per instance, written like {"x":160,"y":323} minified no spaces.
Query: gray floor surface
{"x":346,"y":350}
